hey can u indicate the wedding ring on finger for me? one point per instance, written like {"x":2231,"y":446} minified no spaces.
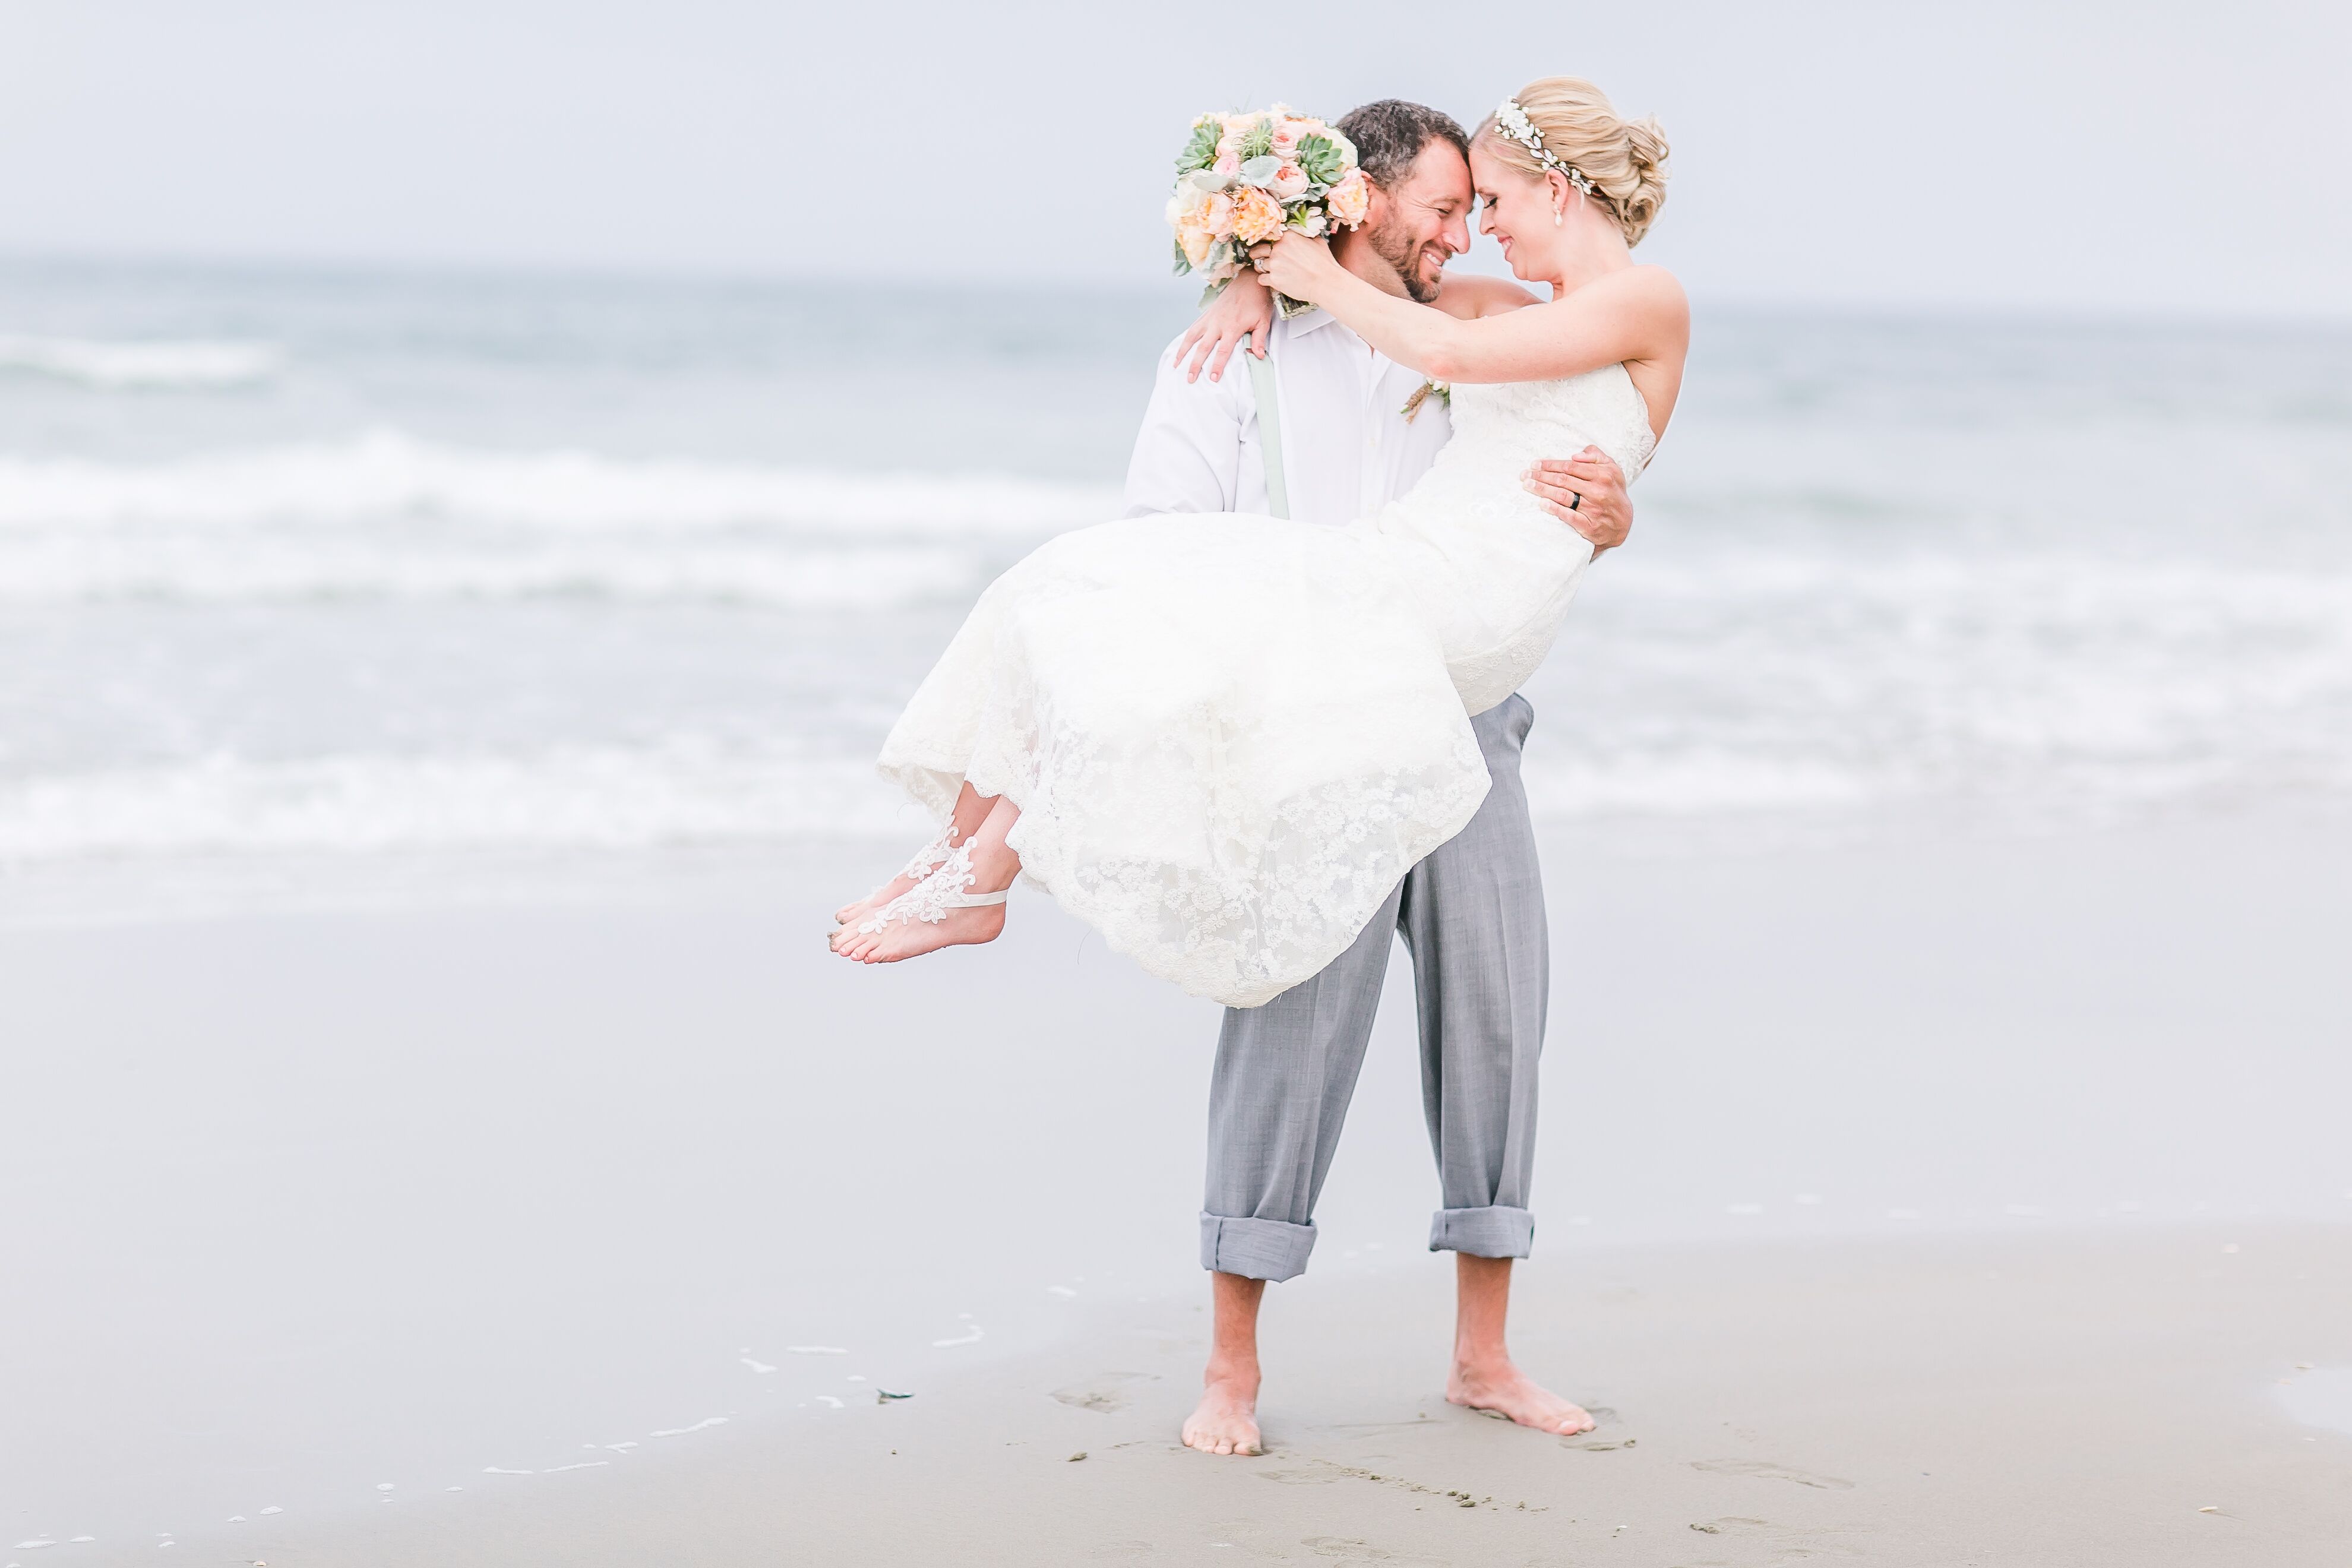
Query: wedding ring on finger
{"x":1577,"y":504}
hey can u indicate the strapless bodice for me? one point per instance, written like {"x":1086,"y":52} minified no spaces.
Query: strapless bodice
{"x":1493,"y":570}
{"x":1524,"y":419}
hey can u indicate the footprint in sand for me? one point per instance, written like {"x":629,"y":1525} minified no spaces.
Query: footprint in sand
{"x":1793,"y":1539}
{"x":1104,"y":1392}
{"x":1337,"y":1549}
{"x":1374,"y":1428}
{"x":1765,"y":1470}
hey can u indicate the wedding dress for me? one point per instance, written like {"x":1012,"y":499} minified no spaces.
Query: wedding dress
{"x":1231,"y":735}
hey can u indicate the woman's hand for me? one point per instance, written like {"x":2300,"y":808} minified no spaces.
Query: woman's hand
{"x":1242,"y":308}
{"x":1298,"y":266}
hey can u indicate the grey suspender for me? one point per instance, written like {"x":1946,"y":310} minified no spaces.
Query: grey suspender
{"x":1269,"y":431}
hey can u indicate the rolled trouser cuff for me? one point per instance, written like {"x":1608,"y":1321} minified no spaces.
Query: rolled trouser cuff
{"x":1255,"y":1248}
{"x":1491,"y":1232}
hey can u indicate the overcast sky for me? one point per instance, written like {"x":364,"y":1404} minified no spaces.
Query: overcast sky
{"x":2076,"y":156}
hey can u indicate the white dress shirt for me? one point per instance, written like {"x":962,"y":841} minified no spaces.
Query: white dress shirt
{"x":1347,"y":448}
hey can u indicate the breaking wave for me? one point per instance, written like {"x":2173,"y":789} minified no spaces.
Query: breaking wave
{"x":385,"y":515}
{"x":189,"y":365}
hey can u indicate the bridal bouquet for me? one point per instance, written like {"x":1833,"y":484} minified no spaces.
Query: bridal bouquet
{"x":1242,"y":179}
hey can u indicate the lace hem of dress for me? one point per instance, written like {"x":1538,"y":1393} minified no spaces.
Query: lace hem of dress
{"x":1243,"y":934}
{"x":1254,"y":901}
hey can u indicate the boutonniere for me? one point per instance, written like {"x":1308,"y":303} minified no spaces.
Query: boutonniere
{"x":1437,"y":389}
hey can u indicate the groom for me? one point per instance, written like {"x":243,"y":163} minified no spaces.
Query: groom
{"x":1471,"y":914}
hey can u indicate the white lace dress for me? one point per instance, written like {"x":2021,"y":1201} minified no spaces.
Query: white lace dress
{"x":1231,"y":735}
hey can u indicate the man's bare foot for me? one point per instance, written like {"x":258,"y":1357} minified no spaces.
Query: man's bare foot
{"x":1502,"y":1389}
{"x":912,"y":939}
{"x":1225,"y":1421}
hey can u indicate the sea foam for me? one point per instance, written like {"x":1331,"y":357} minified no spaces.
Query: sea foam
{"x":385,"y":515}
{"x":143,"y":366}
{"x":579,"y":798}
{"x":383,"y":475}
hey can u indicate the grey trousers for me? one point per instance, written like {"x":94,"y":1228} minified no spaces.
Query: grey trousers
{"x":1473,"y":916}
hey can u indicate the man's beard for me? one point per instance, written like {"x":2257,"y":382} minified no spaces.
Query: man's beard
{"x":1402,"y":253}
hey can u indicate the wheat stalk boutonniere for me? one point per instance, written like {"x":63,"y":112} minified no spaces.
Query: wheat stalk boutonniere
{"x":1438,"y":389}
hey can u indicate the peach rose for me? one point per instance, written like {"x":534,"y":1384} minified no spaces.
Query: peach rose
{"x":1289,"y":183}
{"x":1227,"y":163}
{"x":1216,"y":215}
{"x":1287,"y":133}
{"x":1351,"y":199}
{"x":1256,"y":217}
{"x":1197,"y":243}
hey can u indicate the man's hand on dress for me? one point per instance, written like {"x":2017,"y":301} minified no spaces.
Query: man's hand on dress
{"x":1587,"y":492}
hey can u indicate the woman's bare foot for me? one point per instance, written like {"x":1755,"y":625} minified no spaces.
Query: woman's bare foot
{"x":849,"y":915}
{"x":1500,"y":1388}
{"x":1225,"y":1421}
{"x":967,"y":892}
{"x":971,"y":809}
{"x":912,"y":939}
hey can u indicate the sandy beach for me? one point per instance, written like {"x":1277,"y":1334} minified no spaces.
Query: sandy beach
{"x":1907,"y":1199}
{"x":460,"y":561}
{"x":2065,"y":1399}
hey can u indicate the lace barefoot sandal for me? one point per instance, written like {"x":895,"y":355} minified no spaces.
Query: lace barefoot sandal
{"x":929,"y":858}
{"x":929,"y":900}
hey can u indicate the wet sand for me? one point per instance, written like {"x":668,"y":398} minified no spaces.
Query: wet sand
{"x":552,"y":1196}
{"x":2065,"y":1398}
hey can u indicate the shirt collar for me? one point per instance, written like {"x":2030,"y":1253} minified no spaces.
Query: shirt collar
{"x":1316,"y":320}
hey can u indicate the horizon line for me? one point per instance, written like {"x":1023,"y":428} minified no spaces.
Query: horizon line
{"x":687,"y":275}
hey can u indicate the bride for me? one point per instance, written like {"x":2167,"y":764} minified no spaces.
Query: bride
{"x":1221,"y":740}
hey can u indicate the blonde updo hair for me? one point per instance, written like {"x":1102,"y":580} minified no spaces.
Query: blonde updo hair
{"x":1624,"y":159}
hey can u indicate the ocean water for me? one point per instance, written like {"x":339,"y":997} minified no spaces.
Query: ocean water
{"x":453,"y":576}
{"x":358,"y":565}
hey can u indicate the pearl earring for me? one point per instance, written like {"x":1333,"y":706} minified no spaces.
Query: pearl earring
{"x":1558,"y":218}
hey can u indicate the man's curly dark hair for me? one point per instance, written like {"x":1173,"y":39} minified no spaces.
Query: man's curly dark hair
{"x":1390,"y":133}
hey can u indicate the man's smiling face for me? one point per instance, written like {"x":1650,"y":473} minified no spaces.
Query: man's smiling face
{"x":1418,"y":222}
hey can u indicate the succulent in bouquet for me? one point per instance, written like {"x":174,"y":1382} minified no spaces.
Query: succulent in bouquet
{"x":1245,"y":179}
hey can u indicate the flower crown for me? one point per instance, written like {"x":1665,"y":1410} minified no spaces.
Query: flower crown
{"x":1513,"y":121}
